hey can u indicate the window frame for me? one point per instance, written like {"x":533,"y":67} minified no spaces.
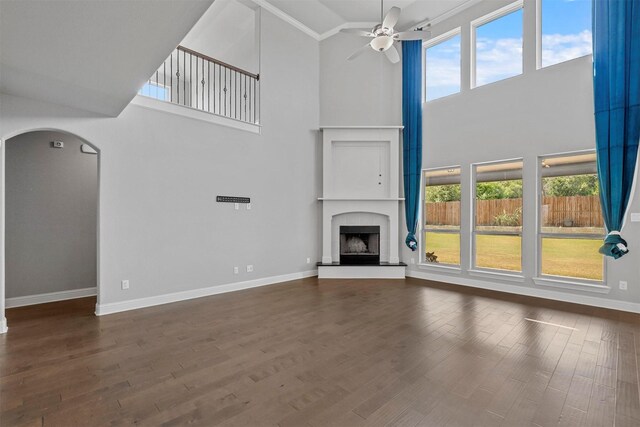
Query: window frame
{"x":540,"y":235}
{"x":423,"y":222}
{"x":538,"y":40}
{"x":434,"y":42}
{"x":475,"y":232}
{"x":485,"y":19}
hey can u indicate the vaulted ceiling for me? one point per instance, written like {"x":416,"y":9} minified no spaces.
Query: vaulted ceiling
{"x":322,"y":16}
{"x":90,"y":54}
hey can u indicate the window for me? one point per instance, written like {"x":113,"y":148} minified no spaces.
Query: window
{"x":442,"y":66}
{"x":565,"y":30}
{"x":498,"y":45}
{"x":498,"y":216}
{"x":571,"y":224}
{"x":155,"y":90}
{"x":442,"y":216}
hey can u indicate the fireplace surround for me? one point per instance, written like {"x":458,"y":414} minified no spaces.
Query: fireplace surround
{"x":361,"y":202}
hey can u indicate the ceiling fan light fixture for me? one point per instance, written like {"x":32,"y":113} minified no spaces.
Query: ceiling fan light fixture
{"x":381,"y":43}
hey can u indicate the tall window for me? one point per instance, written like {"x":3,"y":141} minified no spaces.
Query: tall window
{"x":565,"y":29}
{"x":498,"y":45}
{"x":571,"y":224}
{"x":155,"y":90}
{"x":442,"y":216}
{"x":442,"y":66}
{"x":498,"y":216}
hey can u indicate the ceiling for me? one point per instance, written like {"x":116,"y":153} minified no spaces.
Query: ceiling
{"x":227,"y":31}
{"x":323,"y":16}
{"x":92,"y":55}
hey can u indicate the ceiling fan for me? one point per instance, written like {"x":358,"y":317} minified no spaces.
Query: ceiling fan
{"x":383,"y":35}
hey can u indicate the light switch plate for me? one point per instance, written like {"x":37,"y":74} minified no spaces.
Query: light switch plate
{"x":635,"y":217}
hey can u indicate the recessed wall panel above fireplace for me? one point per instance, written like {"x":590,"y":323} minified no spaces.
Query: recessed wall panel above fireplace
{"x":360,"y":169}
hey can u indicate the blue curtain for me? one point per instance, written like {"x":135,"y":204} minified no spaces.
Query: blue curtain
{"x":412,"y":134}
{"x":616,"y":83}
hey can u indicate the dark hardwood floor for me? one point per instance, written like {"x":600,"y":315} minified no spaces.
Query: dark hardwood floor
{"x":324,"y":353}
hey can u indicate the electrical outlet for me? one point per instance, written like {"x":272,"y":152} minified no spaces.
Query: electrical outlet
{"x":623,"y":285}
{"x":249,"y":268}
{"x":236,"y":206}
{"x":413,"y":260}
{"x":308,"y":260}
{"x":125,"y":285}
{"x":248,"y":206}
{"x":236,"y":270}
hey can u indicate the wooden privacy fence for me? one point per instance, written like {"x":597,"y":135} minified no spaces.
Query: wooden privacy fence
{"x":573,"y":211}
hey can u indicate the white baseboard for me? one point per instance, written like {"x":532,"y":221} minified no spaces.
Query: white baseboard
{"x":528,"y":291}
{"x":49,"y":297}
{"x":117,"y":307}
{"x":3,"y":326}
{"x":361,"y":272}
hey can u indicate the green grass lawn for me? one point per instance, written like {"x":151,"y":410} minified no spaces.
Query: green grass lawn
{"x":560,"y":257}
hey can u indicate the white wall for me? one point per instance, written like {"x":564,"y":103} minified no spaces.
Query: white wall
{"x":51,"y":215}
{"x":159,"y":223}
{"x":541,"y":112}
{"x":364,"y":91}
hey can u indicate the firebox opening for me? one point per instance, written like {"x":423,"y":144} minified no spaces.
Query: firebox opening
{"x":359,"y":244}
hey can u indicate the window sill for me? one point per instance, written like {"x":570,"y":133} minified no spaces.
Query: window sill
{"x":440,"y":268}
{"x":192,"y":113}
{"x":599,"y":288}
{"x":497,"y":275}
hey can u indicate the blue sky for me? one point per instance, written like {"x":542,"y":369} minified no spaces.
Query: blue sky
{"x":566,"y":34}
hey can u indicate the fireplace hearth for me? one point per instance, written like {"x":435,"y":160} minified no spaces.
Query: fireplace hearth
{"x":359,"y":244}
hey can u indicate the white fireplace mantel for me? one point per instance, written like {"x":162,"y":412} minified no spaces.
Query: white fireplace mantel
{"x":361,"y":181}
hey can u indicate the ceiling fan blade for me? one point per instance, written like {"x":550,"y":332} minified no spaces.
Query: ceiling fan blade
{"x":359,"y":52}
{"x":357,"y":32}
{"x":413,"y":35}
{"x":392,"y":54}
{"x":391,"y":18}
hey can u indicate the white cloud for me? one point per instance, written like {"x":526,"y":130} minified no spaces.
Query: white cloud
{"x":443,"y":66}
{"x":558,"y":48}
{"x":497,"y":59}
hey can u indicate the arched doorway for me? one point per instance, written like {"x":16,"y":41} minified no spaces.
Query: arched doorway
{"x":50,"y":218}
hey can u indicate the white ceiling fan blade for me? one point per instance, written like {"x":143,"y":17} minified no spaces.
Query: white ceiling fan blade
{"x":413,"y":35}
{"x":392,"y":54}
{"x":391,"y":19}
{"x":359,"y":52}
{"x":357,"y":32}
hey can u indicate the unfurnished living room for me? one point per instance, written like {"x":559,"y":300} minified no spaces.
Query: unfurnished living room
{"x":319,"y":213}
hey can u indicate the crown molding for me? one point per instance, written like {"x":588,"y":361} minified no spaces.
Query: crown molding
{"x":448,"y":14}
{"x":323,"y":36}
{"x":287,"y":18}
{"x":336,"y":30}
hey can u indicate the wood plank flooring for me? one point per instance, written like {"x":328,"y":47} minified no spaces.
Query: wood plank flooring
{"x":324,"y":353}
